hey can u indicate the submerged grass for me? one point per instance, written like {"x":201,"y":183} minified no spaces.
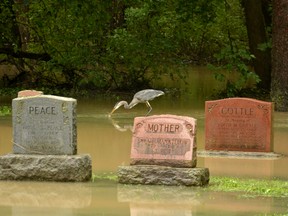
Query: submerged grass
{"x":250,"y":187}
{"x":247,"y":187}
{"x":104,"y":176}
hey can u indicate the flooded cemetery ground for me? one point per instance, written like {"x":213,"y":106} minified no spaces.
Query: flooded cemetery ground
{"x":108,"y":141}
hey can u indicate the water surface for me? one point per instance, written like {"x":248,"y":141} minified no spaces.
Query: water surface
{"x":108,"y":141}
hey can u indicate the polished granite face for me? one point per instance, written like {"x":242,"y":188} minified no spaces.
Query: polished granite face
{"x":167,"y":140}
{"x":238,"y":124}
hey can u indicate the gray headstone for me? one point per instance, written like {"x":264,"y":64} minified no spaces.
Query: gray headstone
{"x":44,"y":124}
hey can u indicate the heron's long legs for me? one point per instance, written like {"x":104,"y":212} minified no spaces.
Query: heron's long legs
{"x":149,"y":106}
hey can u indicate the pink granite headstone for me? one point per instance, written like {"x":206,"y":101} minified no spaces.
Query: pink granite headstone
{"x":238,"y":124}
{"x":167,"y":140}
{"x":29,"y":93}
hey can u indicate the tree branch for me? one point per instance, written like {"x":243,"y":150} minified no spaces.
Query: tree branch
{"x":22,"y":54}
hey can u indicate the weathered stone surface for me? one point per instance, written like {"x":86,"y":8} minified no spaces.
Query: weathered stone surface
{"x":29,"y":93}
{"x":45,"y":167}
{"x":166,"y":140}
{"x":238,"y":124}
{"x":161,"y":175}
{"x":44,"y":124}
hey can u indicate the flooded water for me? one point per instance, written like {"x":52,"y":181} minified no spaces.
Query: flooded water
{"x":108,"y":142}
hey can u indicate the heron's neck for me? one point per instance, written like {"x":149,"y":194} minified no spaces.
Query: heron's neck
{"x":130,"y":105}
{"x":125,"y":104}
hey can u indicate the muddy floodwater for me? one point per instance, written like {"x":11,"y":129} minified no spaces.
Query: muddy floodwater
{"x":108,"y":141}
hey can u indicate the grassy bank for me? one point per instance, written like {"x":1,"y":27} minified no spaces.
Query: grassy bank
{"x":247,"y":187}
{"x":250,"y":187}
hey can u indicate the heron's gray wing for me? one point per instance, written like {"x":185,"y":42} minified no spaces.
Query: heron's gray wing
{"x":148,"y":94}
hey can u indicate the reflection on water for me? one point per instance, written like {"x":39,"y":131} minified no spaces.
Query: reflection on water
{"x":157,"y":200}
{"x":107,"y":198}
{"x":174,"y":201}
{"x":44,"y":194}
{"x":121,"y":126}
{"x":108,"y":141}
{"x":248,"y":167}
{"x":43,"y":198}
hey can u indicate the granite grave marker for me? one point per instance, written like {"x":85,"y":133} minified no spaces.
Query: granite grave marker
{"x":44,"y":124}
{"x":44,"y":141}
{"x":164,"y":140}
{"x":238,"y":124}
{"x":163,"y":152}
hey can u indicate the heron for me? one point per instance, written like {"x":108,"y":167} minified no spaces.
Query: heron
{"x":142,"y":96}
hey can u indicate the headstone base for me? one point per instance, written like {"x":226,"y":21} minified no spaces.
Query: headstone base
{"x":162,"y":175}
{"x":64,"y":168}
{"x":235,"y":154}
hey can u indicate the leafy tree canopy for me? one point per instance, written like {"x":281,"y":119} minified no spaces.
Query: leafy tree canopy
{"x":122,"y":44}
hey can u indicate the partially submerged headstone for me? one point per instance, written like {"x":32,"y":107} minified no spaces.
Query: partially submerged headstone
{"x":64,"y":168}
{"x":44,"y":124}
{"x":44,"y":141}
{"x":238,"y":124}
{"x":163,"y":152}
{"x":163,"y":175}
{"x":164,"y":140}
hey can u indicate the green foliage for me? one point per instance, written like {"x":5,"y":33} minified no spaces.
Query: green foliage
{"x":5,"y":110}
{"x":7,"y":20}
{"x":235,"y":71}
{"x":265,"y":46}
{"x":122,"y":44}
{"x":73,"y":33}
{"x":9,"y":91}
{"x":233,"y":59}
{"x":143,"y":49}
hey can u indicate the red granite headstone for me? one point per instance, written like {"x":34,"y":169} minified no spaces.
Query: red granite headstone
{"x":29,"y":93}
{"x":238,"y":124}
{"x":167,"y":140}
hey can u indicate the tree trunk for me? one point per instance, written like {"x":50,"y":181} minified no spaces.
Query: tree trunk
{"x":279,"y":84}
{"x":255,"y":24}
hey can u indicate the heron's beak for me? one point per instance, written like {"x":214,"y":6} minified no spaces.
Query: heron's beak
{"x":111,"y":112}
